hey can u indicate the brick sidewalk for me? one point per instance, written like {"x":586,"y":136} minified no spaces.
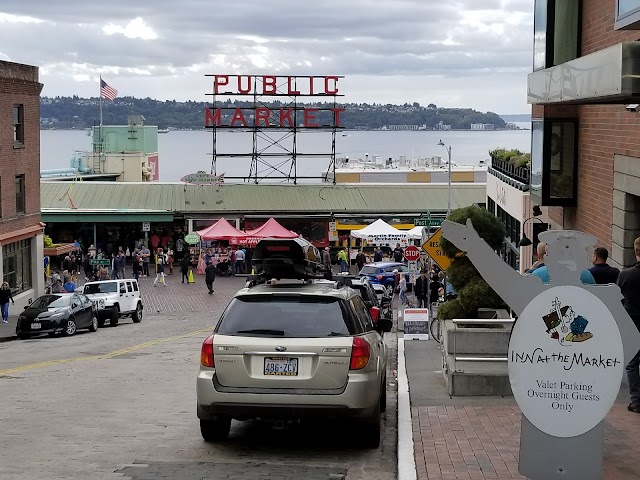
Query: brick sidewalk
{"x":476,"y":442}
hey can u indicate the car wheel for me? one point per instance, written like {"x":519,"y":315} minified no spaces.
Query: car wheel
{"x":383,"y":396}
{"x":94,"y":323}
{"x":137,"y":315}
{"x":70,"y":327}
{"x":24,"y":336}
{"x":370,"y":431}
{"x":115,"y":314}
{"x":215,"y":430}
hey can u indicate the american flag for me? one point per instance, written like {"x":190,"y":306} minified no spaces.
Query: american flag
{"x":106,"y":91}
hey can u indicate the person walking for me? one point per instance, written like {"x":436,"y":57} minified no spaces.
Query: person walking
{"x":629,"y":283}
{"x":210,"y":276}
{"x":361,"y":259}
{"x":422,"y":290}
{"x":5,"y":297}
{"x":170,"y":255}
{"x":434,"y":289}
{"x":378,"y":256}
{"x":398,"y":254}
{"x":146,"y":258}
{"x":602,"y":272}
{"x":161,"y":261}
{"x":326,"y":258}
{"x":402,"y":289}
{"x":69,"y":286}
{"x":240,"y":256}
{"x":342,"y":260}
{"x":185,"y":263}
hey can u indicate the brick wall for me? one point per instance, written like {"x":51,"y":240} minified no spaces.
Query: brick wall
{"x":19,"y":85}
{"x":604,"y":131}
{"x":598,"y":19}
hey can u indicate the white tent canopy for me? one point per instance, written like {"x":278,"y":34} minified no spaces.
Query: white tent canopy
{"x":381,"y":232}
{"x":415,"y":233}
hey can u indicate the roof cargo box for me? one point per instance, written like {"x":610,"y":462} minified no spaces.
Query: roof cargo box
{"x":287,"y":258}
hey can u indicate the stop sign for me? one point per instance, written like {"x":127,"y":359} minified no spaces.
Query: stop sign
{"x":412,"y":253}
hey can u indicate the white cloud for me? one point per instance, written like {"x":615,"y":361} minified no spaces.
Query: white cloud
{"x":136,"y":28}
{"x":9,"y":18}
{"x":466,"y":53}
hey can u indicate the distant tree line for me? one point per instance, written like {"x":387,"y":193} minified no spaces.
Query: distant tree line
{"x":79,"y":113}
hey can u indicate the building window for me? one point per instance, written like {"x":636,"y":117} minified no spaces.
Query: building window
{"x":627,"y":15}
{"x":557,"y":32}
{"x":18,"y":125}
{"x":20,"y":194}
{"x":16,"y":265}
{"x":554,"y":162}
{"x":491,"y":205}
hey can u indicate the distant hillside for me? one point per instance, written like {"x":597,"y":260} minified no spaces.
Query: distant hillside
{"x":522,"y":117}
{"x":79,"y":113}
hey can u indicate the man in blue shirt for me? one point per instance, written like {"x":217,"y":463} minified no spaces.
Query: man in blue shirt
{"x":70,"y":286}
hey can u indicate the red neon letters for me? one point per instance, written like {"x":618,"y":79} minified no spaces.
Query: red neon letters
{"x":266,"y":117}
{"x":273,"y":84}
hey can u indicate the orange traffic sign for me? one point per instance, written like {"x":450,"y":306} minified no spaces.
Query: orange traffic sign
{"x":432,"y":247}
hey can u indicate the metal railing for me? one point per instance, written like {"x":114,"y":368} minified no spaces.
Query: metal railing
{"x":520,"y":174}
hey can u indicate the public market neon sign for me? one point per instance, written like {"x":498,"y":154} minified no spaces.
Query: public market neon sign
{"x":273,"y":86}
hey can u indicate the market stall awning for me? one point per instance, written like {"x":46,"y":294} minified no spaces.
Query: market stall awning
{"x":272,"y":229}
{"x":380,"y":232}
{"x":415,"y":233}
{"x":221,"y":230}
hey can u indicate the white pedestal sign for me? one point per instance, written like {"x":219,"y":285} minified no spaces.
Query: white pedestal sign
{"x":416,"y":324}
{"x":565,"y":361}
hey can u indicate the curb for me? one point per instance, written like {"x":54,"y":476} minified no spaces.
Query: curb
{"x":406,"y":454}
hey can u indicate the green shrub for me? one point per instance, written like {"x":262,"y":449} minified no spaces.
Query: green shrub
{"x":473,"y":291}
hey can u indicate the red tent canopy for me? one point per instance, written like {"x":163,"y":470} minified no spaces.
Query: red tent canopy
{"x":221,"y":230}
{"x":272,"y":229}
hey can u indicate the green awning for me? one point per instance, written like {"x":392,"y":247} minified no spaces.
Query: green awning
{"x":107,"y":217}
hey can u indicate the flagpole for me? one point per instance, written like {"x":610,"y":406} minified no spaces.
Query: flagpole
{"x":100,"y":147}
{"x":100,"y":93}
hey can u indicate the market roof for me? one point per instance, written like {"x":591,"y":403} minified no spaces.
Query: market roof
{"x":154,"y":198}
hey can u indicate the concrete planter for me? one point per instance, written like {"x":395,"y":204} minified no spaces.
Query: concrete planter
{"x":475,"y":356}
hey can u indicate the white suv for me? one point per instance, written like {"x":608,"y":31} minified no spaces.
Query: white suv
{"x":115,"y":299}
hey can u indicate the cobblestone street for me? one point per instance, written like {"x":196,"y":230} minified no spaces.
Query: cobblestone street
{"x":120,"y":403}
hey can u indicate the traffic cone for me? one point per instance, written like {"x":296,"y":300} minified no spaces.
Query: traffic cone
{"x":190,"y":277}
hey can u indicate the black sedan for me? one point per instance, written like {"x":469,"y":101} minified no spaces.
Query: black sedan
{"x":58,"y":312}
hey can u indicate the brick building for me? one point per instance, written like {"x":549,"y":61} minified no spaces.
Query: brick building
{"x":21,"y":230}
{"x":584,"y":89}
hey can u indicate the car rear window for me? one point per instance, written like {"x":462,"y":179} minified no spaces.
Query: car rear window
{"x":286,"y":316}
{"x":368,"y":270}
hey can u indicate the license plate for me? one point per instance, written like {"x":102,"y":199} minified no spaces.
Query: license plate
{"x":282,"y":366}
{"x":36,"y":326}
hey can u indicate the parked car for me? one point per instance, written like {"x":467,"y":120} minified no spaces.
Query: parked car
{"x":366,"y":290}
{"x":115,"y":299}
{"x":58,"y":312}
{"x":292,"y":349}
{"x":382,"y":273}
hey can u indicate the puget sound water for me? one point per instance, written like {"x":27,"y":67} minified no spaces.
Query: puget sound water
{"x":184,"y":152}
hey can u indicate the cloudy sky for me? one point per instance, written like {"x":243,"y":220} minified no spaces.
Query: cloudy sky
{"x":454,"y":53}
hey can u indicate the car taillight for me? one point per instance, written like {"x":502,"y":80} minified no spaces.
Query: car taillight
{"x":206,"y":354}
{"x":379,"y":277}
{"x":360,"y":353}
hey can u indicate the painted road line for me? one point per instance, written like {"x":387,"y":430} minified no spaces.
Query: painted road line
{"x":115,"y":353}
{"x":406,"y":454}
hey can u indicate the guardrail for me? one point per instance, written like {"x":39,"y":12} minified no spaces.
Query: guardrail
{"x":521,"y":174}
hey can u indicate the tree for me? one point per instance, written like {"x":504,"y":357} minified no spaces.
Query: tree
{"x":473,"y":291}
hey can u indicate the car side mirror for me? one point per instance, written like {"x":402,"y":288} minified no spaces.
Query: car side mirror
{"x":26,"y":306}
{"x":375,"y":314}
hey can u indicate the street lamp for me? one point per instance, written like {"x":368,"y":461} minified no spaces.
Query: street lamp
{"x":525,"y":241}
{"x":441,"y":143}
